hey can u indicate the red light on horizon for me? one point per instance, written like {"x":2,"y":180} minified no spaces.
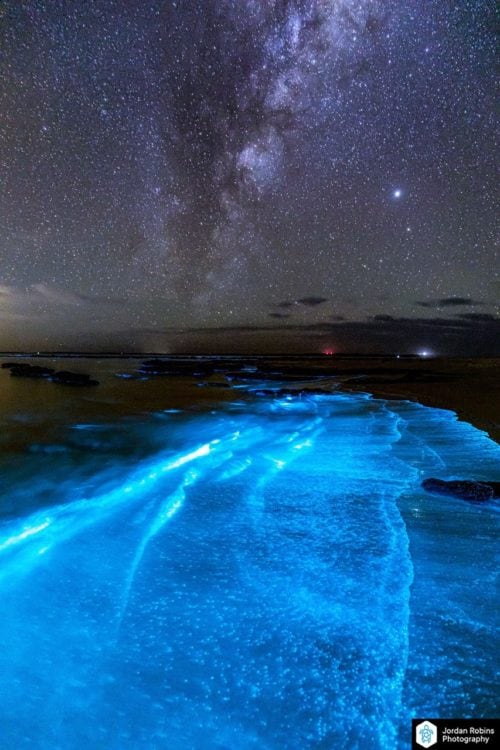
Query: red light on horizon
{"x":328,"y":351}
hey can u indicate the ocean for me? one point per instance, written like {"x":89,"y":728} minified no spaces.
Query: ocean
{"x":202,"y":563}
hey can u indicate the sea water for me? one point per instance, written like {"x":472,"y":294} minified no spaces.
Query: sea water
{"x":194,"y":568}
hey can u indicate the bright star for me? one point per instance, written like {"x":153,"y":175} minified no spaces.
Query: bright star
{"x":397,"y":193}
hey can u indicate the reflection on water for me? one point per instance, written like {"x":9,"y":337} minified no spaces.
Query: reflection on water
{"x":187,"y":567}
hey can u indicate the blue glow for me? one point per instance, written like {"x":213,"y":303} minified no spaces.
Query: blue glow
{"x":275,"y":579}
{"x":22,"y":535}
{"x":71,"y":518}
{"x":204,"y":450}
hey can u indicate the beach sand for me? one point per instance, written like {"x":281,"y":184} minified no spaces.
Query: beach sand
{"x":469,"y":387}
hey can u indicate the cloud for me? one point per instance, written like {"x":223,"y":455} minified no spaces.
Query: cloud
{"x":479,"y":317}
{"x":57,"y":295}
{"x":372,"y":326}
{"x":60,"y":296}
{"x":312,"y":301}
{"x":42,"y":312}
{"x":450,"y":302}
{"x":6,"y":290}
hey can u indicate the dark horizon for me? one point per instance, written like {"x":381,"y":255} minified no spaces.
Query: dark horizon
{"x":462,"y":336}
{"x":250,"y":355}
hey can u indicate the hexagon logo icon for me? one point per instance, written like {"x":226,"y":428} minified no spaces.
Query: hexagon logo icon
{"x":426,"y":734}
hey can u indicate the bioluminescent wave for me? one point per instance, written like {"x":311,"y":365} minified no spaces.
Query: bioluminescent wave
{"x":67,"y":519}
{"x":274,"y":578}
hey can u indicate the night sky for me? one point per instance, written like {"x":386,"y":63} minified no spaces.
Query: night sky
{"x":248,"y":175}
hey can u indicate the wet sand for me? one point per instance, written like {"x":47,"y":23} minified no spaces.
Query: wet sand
{"x":469,"y":387}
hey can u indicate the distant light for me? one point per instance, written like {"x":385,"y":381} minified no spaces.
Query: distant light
{"x":328,"y":351}
{"x":425,"y":353}
{"x":397,"y":193}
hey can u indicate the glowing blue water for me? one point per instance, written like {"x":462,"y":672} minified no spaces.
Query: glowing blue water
{"x":274,"y":579}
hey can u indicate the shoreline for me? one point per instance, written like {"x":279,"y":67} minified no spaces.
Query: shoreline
{"x":470,"y":416}
{"x":468,"y":387}
{"x":472,"y":391}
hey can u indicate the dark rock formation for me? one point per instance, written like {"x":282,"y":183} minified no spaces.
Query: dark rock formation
{"x":495,"y":486}
{"x":66,"y":377}
{"x":24,"y":370}
{"x":464,"y":489}
{"x":30,"y":371}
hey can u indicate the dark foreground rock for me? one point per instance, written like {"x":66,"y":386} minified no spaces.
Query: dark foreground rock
{"x":30,"y":371}
{"x":495,"y":486}
{"x":24,"y":370}
{"x":464,"y":489}
{"x":66,"y":377}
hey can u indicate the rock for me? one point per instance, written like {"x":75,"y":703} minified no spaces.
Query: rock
{"x":495,"y":486}
{"x":9,"y":365}
{"x":30,"y":371}
{"x":66,"y":377}
{"x":23,"y":370}
{"x":464,"y":489}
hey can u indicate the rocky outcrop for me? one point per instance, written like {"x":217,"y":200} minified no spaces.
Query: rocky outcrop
{"x":24,"y":370}
{"x":30,"y":371}
{"x":66,"y":377}
{"x":477,"y":492}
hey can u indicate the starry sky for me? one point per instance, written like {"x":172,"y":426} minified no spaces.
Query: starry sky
{"x":248,"y":176}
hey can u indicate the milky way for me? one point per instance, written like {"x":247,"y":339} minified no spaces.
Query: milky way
{"x":239,"y":175}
